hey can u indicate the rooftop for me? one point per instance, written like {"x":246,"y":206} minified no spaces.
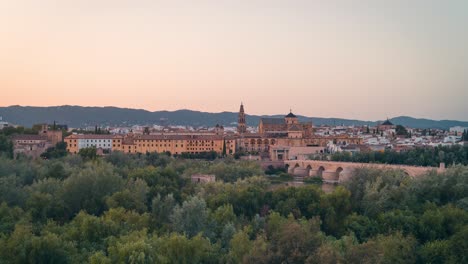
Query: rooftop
{"x":272,"y":121}
{"x":29,"y":137}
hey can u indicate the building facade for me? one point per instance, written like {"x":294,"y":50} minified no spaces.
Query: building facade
{"x":173,"y":143}
{"x":241,"y":125}
{"x":76,"y":142}
{"x":30,"y":145}
{"x":35,"y":145}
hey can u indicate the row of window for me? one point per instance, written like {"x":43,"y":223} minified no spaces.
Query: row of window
{"x":156,"y":140}
{"x":165,"y":145}
{"x":99,"y":145}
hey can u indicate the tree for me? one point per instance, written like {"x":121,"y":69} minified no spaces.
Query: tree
{"x":190,"y":218}
{"x":9,"y":216}
{"x":424,"y":132}
{"x":295,"y":241}
{"x":89,"y":153}
{"x":401,"y":130}
{"x":334,"y":208}
{"x":397,"y":248}
{"x":88,"y":188}
{"x":240,"y":247}
{"x":224,"y":148}
{"x":179,"y":249}
{"x":437,"y":251}
{"x":133,"y":197}
{"x":135,"y":247}
{"x":60,"y":150}
{"x":25,"y":247}
{"x":161,"y":210}
{"x":6,"y":146}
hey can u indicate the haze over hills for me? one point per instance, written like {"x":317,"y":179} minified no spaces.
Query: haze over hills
{"x":79,"y":116}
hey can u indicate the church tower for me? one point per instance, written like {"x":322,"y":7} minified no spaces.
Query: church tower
{"x":241,"y":127}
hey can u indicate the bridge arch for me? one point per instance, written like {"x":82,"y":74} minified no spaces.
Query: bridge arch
{"x":342,"y":171}
{"x":309,"y":170}
{"x":295,"y":167}
{"x":338,"y":172}
{"x":320,"y":171}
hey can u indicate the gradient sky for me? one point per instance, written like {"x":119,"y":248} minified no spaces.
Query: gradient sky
{"x":365,"y":59}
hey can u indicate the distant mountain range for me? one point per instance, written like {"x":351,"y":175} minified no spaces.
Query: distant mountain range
{"x":79,"y":116}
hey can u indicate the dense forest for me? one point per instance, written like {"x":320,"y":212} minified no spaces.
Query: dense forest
{"x":145,"y":209}
{"x":450,"y":155}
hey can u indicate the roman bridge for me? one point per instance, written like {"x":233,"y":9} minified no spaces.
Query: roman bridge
{"x":335,"y":172}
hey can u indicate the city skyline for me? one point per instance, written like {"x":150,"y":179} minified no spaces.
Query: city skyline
{"x":368,"y":60}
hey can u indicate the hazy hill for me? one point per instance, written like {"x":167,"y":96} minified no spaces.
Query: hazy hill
{"x":78,"y":116}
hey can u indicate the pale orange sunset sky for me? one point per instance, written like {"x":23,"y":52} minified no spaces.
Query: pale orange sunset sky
{"x":365,"y":59}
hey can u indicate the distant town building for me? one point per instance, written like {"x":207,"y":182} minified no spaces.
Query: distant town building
{"x":3,"y":124}
{"x":76,"y":142}
{"x":30,"y":145}
{"x":35,"y":145}
{"x":288,"y":126}
{"x":386,"y":125}
{"x":294,"y":153}
{"x":276,"y":137}
{"x":458,"y":129}
{"x":241,"y":125}
{"x":203,"y":178}
{"x":142,"y":143}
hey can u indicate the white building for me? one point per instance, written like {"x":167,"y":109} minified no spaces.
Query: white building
{"x":80,"y":141}
{"x":452,"y":139}
{"x":3,"y":124}
{"x":97,"y":142}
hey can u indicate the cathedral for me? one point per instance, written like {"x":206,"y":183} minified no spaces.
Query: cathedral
{"x":289,"y":126}
{"x":284,"y":132}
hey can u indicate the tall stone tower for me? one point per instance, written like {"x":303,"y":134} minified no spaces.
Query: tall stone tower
{"x":241,"y":127}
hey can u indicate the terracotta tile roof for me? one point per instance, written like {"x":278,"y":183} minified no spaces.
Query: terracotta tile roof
{"x":90,"y":136}
{"x":29,"y":137}
{"x":272,"y":121}
{"x":294,"y":128}
{"x":179,"y":137}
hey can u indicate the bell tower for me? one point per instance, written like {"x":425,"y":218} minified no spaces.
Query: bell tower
{"x":241,"y":127}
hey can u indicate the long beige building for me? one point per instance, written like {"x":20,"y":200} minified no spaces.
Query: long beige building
{"x":173,"y":143}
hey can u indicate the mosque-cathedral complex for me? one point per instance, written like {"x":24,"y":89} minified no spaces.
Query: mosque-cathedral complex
{"x":276,"y":139}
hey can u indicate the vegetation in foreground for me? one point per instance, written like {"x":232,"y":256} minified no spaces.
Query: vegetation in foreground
{"x":421,"y":156}
{"x":144,"y":209}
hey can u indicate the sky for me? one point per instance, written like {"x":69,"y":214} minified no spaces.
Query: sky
{"x":366,"y":59}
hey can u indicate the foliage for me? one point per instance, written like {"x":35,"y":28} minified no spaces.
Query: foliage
{"x":6,"y":146}
{"x":401,"y":130}
{"x":60,"y":150}
{"x":144,"y":209}
{"x":89,"y":153}
{"x":419,"y":156}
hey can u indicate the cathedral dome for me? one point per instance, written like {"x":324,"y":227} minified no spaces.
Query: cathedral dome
{"x":291,"y":115}
{"x":387,"y":123}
